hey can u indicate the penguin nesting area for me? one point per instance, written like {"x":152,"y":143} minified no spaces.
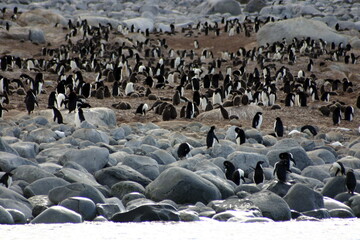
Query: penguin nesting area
{"x":203,"y":58}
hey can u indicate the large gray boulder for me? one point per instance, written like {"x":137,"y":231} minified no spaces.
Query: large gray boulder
{"x":111,"y":175}
{"x":84,"y":206}
{"x":334,"y":186}
{"x":26,"y":149}
{"x":149,"y":212}
{"x":124,"y":187}
{"x":40,"y":135}
{"x":182,"y":186}
{"x":324,"y":154}
{"x":58,"y":194}
{"x":354,"y":203}
{"x":43,"y":186}
{"x":91,"y":135}
{"x":290,"y":10}
{"x":37,"y":35}
{"x":30,"y":173}
{"x":301,"y":198}
{"x":255,"y":6}
{"x":225,"y":188}
{"x":140,"y":23}
{"x":162,"y":157}
{"x":76,"y":176}
{"x":41,"y":17}
{"x":143,"y":164}
{"x":9,"y":161}
{"x":247,"y":161}
{"x":5,"y":216}
{"x":91,"y":158}
{"x":277,"y":31}
{"x":220,"y":6}
{"x":271,"y":205}
{"x":5,"y":147}
{"x":319,"y":172}
{"x":57,"y":214}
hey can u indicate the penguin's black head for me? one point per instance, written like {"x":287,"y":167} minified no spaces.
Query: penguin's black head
{"x":229,"y":165}
{"x":212,"y":128}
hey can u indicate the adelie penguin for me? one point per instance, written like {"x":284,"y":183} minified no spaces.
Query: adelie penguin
{"x":349,"y":113}
{"x":57,"y":115}
{"x":278,"y":127}
{"x":142,"y":109}
{"x":30,"y":101}
{"x":211,"y":137}
{"x":310,"y":129}
{"x":282,"y":167}
{"x":240,"y":136}
{"x":184,"y":150}
{"x":257,"y":120}
{"x":6,"y":180}
{"x":337,"y":168}
{"x":233,"y":174}
{"x":79,"y":117}
{"x":258,"y":173}
{"x":336,"y":117}
{"x":350,"y":181}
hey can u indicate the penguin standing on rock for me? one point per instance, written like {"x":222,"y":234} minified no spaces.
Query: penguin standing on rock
{"x":350,"y":181}
{"x":233,"y":174}
{"x":240,"y":136}
{"x":257,"y":120}
{"x":183,"y":150}
{"x":211,"y":137}
{"x":278,"y":127}
{"x":258,"y":173}
{"x":283,"y":166}
{"x":57,"y":115}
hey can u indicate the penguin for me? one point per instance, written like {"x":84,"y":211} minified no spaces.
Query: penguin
{"x":60,"y":101}
{"x":257,"y":120}
{"x":224,"y":112}
{"x":216,"y":97}
{"x":6,"y":180}
{"x":258,"y":173}
{"x":337,"y":168}
{"x":142,"y":109}
{"x":280,"y":169}
{"x":196,"y":98}
{"x":350,"y":181}
{"x":203,"y":102}
{"x":233,"y":174}
{"x":184,"y":150}
{"x":309,"y":128}
{"x":72,"y":100}
{"x":349,"y":113}
{"x":240,"y":136}
{"x":278,"y":127}
{"x":80,"y":115}
{"x":211,"y":137}
{"x":336,"y":117}
{"x":190,"y":111}
{"x":169,"y":113}
{"x":2,"y":109}
{"x":52,"y":100}
{"x":30,"y":101}
{"x":57,"y":115}
{"x":290,"y":100}
{"x":288,"y":159}
{"x":176,"y":98}
{"x":129,"y":89}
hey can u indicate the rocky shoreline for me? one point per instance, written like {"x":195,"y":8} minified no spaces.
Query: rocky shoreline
{"x":103,"y":169}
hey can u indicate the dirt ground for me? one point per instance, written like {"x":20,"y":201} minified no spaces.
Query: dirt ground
{"x":291,"y":116}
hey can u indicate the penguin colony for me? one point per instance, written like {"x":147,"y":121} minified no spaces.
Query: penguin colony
{"x":91,"y":64}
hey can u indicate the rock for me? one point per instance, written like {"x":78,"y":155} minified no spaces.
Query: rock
{"x":324,"y":154}
{"x":41,"y":17}
{"x":331,"y":204}
{"x":235,"y":204}
{"x":29,"y":173}
{"x":43,"y":186}
{"x":5,"y":147}
{"x":255,"y":6}
{"x":276,"y":31}
{"x":334,"y":186}
{"x":232,"y":214}
{"x":5,"y":216}
{"x":220,"y":6}
{"x":129,"y":197}
{"x":91,"y":158}
{"x":350,"y":162}
{"x":255,"y":134}
{"x":96,"y":20}
{"x":318,"y":172}
{"x":107,"y":209}
{"x":124,"y":187}
{"x":301,"y":198}
{"x":18,"y":217}
{"x":111,"y":175}
{"x":225,"y":188}
{"x":143,"y":164}
{"x":26,"y":149}
{"x":301,"y":158}
{"x":140,"y":23}
{"x":318,"y":213}
{"x":307,"y":181}
{"x":154,"y":212}
{"x":9,"y":161}
{"x":37,"y":36}
{"x":247,"y":161}
{"x":40,"y":135}
{"x":162,"y":157}
{"x":75,"y":176}
{"x":341,"y":213}
{"x":23,"y":206}
{"x":271,"y":205}
{"x":188,"y":216}
{"x":58,"y":194}
{"x":354,"y":203}
{"x":182,"y":186}
{"x":222,"y":150}
{"x":279,"y":188}
{"x":57,"y":214}
{"x":84,"y":206}
{"x":91,"y":135}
